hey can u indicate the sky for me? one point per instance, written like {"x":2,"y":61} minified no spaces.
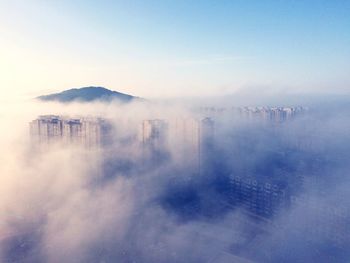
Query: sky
{"x":174,"y":48}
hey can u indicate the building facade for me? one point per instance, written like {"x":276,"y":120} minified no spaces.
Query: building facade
{"x":86,"y":132}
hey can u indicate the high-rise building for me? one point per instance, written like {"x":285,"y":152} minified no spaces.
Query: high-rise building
{"x":95,"y":132}
{"x":86,"y":132}
{"x":191,"y":142}
{"x":154,"y":139}
{"x":154,"y":133}
{"x":206,"y":145}
{"x":260,"y":198}
{"x":72,"y":131}
{"x":185,"y":141}
{"x":274,"y":114}
{"x":46,"y":129}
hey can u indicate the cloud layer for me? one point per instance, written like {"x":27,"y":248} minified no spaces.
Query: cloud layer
{"x":67,"y":204}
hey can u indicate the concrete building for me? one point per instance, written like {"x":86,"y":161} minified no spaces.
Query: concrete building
{"x":273,"y":114}
{"x":263,"y":199}
{"x":95,"y":132}
{"x":206,"y":144}
{"x":46,"y":129}
{"x":86,"y":132}
{"x":72,"y":131}
{"x":154,"y":140}
{"x":154,"y":133}
{"x":189,"y":141}
{"x":185,"y":141}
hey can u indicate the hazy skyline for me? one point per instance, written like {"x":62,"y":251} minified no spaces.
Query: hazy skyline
{"x":174,"y":48}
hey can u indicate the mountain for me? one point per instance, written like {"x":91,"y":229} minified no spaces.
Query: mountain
{"x":88,"y":94}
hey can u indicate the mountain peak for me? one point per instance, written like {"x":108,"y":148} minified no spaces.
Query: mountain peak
{"x":87,"y":94}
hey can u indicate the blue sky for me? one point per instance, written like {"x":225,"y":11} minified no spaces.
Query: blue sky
{"x":175,"y":48}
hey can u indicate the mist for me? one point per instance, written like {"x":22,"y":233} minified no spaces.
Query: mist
{"x":122,"y":203}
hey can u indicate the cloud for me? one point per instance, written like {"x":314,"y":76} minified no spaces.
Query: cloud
{"x":67,"y":204}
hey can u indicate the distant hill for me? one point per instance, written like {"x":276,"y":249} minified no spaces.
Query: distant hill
{"x":88,"y":94}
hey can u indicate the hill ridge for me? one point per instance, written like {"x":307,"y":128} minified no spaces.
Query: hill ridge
{"x":87,"y":94}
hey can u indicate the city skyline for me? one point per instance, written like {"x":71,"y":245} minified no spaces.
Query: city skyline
{"x":177,"y":131}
